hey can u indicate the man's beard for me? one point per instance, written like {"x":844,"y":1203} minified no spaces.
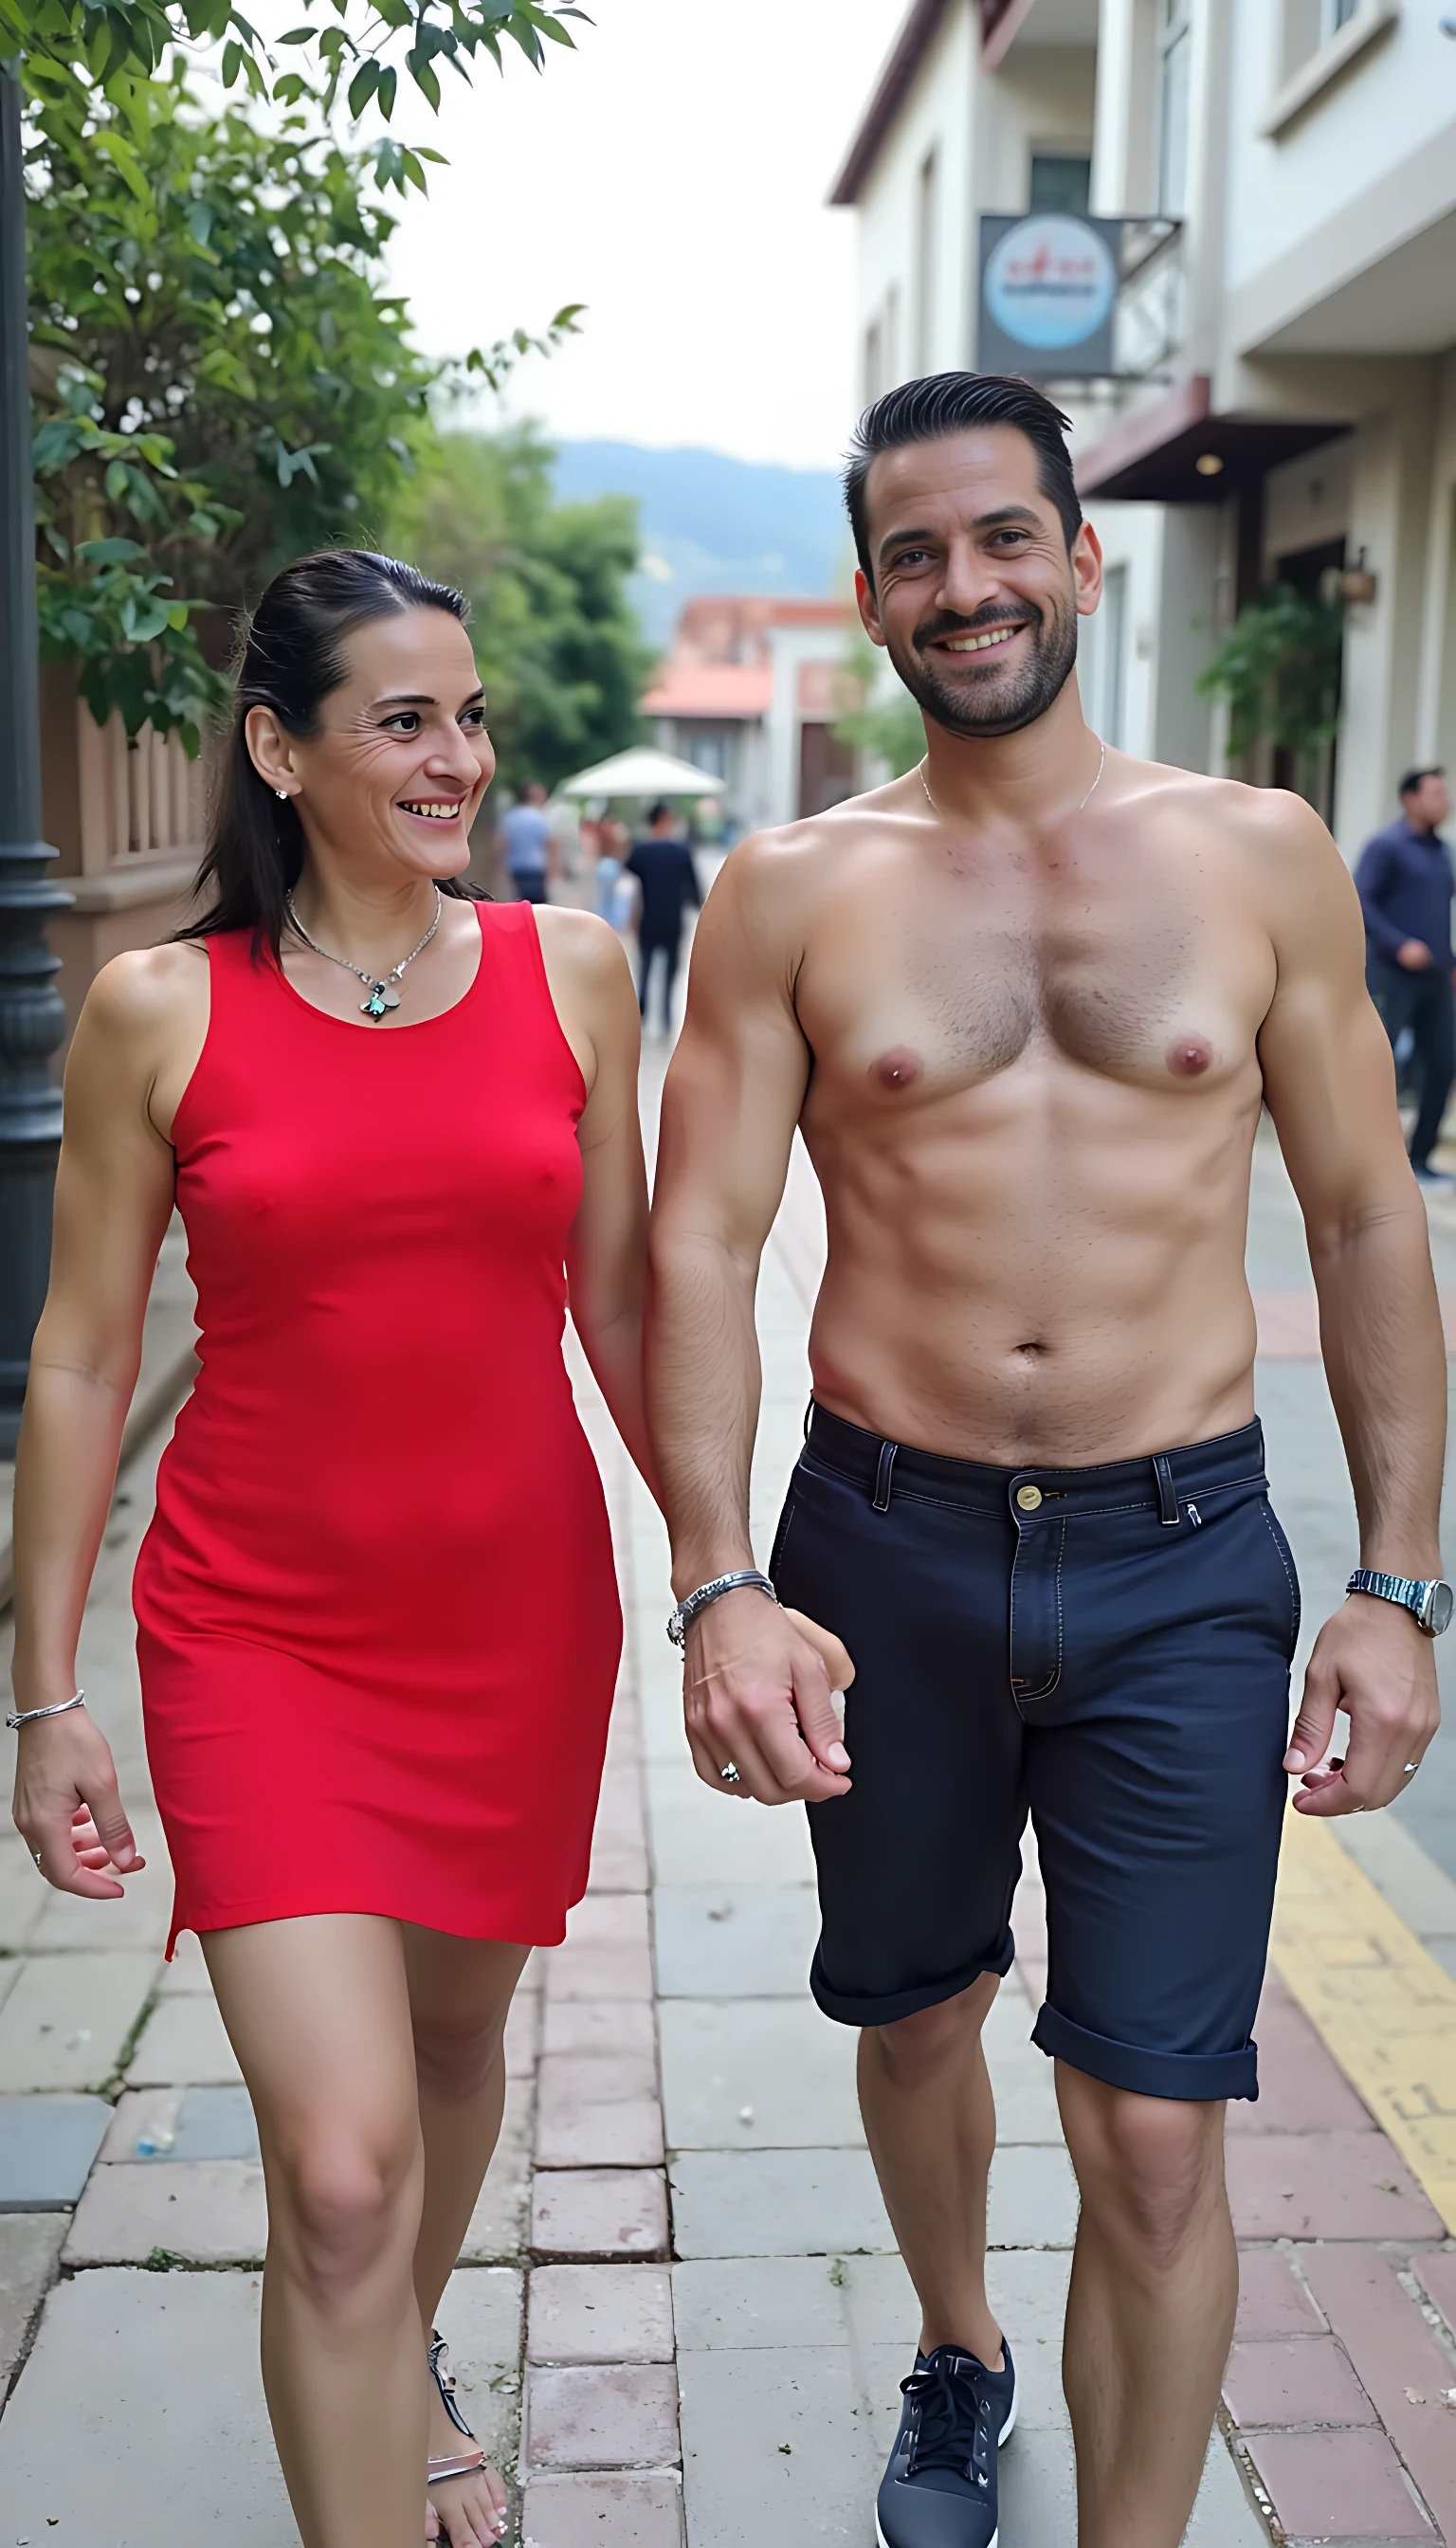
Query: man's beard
{"x":983,"y":705}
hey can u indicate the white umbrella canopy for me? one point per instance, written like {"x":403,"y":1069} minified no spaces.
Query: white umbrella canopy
{"x":642,"y":771}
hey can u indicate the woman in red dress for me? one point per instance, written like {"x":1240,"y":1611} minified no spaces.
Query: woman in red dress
{"x":378,"y":1621}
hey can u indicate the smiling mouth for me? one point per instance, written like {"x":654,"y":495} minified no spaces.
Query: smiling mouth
{"x":981,"y":642}
{"x":432,"y":809}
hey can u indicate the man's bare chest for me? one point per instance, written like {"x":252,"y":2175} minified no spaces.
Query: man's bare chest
{"x":1159,"y":992}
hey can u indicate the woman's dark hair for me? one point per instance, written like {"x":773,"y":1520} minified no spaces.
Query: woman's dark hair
{"x":950,"y":402}
{"x":289,"y":657}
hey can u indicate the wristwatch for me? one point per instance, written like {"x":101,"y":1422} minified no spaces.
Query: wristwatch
{"x":1429,"y":1600}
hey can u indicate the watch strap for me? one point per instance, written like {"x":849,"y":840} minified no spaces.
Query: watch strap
{"x":1405,"y":1589}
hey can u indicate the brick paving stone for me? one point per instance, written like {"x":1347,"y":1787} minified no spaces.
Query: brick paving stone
{"x":598,"y":2111}
{"x":734,"y":1941}
{"x":1325,"y":2185}
{"x":66,"y":2023}
{"x":599,"y":2026}
{"x":772,"y":2202}
{"x":22,"y":1895}
{"x":205,"y":2212}
{"x":1437,"y":2269}
{"x":757,"y":2073}
{"x":1293,"y":2380}
{"x":1301,"y":2088}
{"x":600,"y":2313}
{"x":29,"y":2250}
{"x":618,"y":1866}
{"x":1405,"y":2370}
{"x":607,"y":1954}
{"x":480,"y":2318}
{"x":1336,"y":2487}
{"x":600,"y":2415}
{"x":184,"y":2041}
{"x":46,"y":2147}
{"x":163,"y":2125}
{"x":615,"y":2510}
{"x":497,"y":2226}
{"x":139,"y":2417}
{"x":1272,"y":2301}
{"x":605,"y":2213}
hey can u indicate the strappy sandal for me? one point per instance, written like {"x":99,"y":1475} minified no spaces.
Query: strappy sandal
{"x":463,"y":2463}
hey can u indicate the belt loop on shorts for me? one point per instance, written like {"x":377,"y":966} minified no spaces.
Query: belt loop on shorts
{"x":1167,"y":1501}
{"x":808,"y":1414}
{"x":883,"y":1476}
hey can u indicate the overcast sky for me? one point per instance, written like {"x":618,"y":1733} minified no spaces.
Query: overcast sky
{"x":672,"y":174}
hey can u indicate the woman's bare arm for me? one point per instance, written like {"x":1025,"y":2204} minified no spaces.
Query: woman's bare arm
{"x":607,"y":1255}
{"x":114,"y":1196}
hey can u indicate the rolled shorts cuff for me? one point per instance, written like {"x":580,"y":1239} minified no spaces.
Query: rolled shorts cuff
{"x":851,"y":2008}
{"x":1200,"y":2076}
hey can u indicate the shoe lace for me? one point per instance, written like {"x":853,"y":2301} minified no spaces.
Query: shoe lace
{"x":951,"y":2418}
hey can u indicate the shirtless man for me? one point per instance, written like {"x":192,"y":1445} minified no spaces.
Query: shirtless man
{"x":1025,"y":1004}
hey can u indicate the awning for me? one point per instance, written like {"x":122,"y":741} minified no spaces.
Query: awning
{"x":642,"y":772}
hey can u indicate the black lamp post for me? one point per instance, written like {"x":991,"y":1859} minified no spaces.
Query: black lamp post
{"x":31,"y":1015}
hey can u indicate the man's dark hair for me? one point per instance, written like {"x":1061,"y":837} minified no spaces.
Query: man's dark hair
{"x":952,"y":402}
{"x":1414,"y":778}
{"x":655,"y":813}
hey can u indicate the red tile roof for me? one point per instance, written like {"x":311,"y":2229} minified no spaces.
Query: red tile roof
{"x":710,"y":690}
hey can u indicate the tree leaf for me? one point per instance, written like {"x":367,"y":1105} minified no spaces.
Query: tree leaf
{"x":362,"y":87}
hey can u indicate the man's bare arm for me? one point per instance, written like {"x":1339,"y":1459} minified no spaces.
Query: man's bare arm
{"x":1330,"y":1083}
{"x":757,"y":1683}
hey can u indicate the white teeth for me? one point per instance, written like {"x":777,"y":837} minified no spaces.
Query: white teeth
{"x":434,"y":813}
{"x":976,"y":645}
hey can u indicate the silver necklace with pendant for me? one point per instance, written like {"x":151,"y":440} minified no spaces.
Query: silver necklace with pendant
{"x":935,"y":808}
{"x":381,"y":997}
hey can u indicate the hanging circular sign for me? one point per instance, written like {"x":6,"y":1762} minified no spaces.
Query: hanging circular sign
{"x":1051,"y":282}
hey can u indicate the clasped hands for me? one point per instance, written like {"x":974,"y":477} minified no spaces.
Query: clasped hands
{"x":759,"y":1690}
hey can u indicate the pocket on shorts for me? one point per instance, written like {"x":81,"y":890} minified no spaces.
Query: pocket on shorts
{"x":780,"y":1536}
{"x":1288,"y":1570}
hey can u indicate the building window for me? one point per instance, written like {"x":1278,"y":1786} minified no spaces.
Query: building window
{"x":1061,"y":183}
{"x":1337,"y":14}
{"x":892,"y":355}
{"x":1174,"y":81}
{"x":927,"y":240}
{"x":873,"y":362}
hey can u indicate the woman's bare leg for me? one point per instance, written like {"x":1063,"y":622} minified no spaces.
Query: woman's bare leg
{"x":317,"y":2010}
{"x":460,"y":1993}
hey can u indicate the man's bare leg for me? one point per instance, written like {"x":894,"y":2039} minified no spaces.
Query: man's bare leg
{"x":931,"y":2125}
{"x":1151,"y":2311}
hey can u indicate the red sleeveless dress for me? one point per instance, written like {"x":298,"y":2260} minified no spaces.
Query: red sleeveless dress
{"x":376,"y":1612}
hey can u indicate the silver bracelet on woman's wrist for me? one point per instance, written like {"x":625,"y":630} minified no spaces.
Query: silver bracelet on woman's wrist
{"x":32,"y":1714}
{"x":702,"y":1599}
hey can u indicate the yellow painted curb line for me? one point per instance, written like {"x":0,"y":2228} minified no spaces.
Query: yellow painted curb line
{"x":1382,"y":2005}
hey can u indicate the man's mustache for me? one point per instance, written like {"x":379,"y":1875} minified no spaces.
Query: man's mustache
{"x":992,"y":614}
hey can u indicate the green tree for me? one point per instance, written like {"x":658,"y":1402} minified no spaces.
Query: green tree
{"x":560,"y":651}
{"x":1278,"y":669}
{"x":888,"y":725}
{"x":230,"y":386}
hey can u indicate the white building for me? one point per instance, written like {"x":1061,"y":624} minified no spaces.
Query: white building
{"x":753,"y":690}
{"x":1280,"y":400}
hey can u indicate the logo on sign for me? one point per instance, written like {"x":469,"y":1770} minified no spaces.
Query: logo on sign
{"x":1051,"y":282}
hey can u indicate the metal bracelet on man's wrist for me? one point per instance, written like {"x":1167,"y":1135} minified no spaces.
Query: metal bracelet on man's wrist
{"x":694,"y":1604}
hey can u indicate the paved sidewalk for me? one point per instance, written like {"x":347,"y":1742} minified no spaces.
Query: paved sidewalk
{"x":760,"y":2353}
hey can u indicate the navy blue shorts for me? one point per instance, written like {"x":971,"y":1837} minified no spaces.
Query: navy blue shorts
{"x":1107,"y":1649}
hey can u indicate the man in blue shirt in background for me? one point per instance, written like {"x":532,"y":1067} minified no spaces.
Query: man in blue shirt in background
{"x":1405,"y":884}
{"x":663,"y":867}
{"x":525,"y":843}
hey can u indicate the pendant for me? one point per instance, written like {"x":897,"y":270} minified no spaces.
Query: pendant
{"x":380,"y":999}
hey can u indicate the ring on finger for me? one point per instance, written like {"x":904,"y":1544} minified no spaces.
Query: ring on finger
{"x":731,"y":1774}
{"x":1410,"y":1768}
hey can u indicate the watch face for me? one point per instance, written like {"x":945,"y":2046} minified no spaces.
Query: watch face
{"x":1437,"y":1606}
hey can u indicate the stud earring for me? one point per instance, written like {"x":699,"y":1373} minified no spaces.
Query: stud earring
{"x":281,"y":794}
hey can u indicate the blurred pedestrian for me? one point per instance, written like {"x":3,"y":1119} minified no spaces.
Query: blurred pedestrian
{"x":614,"y":894}
{"x":1405,"y":884}
{"x":378,"y":1617}
{"x":662,"y":866}
{"x":526,"y":837}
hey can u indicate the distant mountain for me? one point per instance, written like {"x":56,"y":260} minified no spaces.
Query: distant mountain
{"x":712,"y":525}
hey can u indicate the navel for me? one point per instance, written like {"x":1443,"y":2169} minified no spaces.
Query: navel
{"x":898,"y":1067}
{"x":1189,"y":1056}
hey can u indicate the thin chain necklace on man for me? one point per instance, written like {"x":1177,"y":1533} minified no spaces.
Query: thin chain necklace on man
{"x":381,"y":997}
{"x":935,"y":808}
